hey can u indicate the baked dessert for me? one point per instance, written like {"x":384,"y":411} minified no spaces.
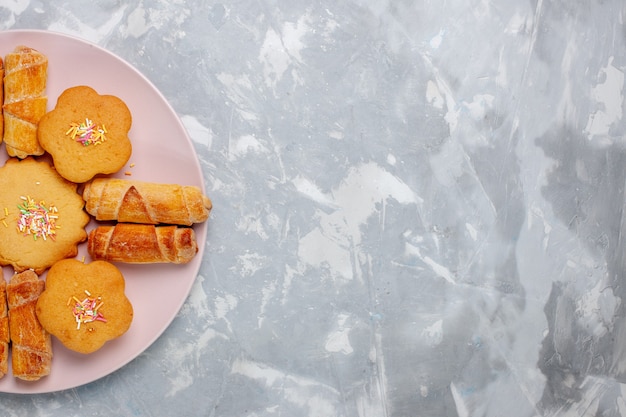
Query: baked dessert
{"x":132,"y":201}
{"x":84,"y":305}
{"x":4,"y":329}
{"x":25,"y":79}
{"x":41,"y":215}
{"x":86,"y":134}
{"x":1,"y":99}
{"x":142,"y":243}
{"x":31,"y":347}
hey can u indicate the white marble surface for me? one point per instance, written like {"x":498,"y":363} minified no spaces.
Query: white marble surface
{"x":418,"y":207}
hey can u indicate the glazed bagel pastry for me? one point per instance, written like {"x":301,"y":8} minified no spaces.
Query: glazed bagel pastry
{"x":1,"y":99}
{"x":31,"y":346}
{"x":4,"y":329}
{"x":25,"y":100}
{"x":84,"y":305}
{"x":132,"y":201}
{"x":142,"y":243}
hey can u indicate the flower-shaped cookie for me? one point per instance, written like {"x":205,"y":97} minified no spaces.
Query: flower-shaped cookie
{"x":86,"y":134}
{"x":84,"y":305}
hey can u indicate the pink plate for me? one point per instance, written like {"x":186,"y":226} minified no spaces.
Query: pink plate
{"x":162,"y":152}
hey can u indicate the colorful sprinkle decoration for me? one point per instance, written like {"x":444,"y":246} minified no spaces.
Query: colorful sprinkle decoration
{"x":87,"y":132}
{"x":37,"y":219}
{"x":87,"y":310}
{"x":4,"y":219}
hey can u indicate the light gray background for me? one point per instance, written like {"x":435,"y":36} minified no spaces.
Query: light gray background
{"x":418,"y":207}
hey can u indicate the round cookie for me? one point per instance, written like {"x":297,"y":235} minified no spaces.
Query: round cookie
{"x":86,"y":134}
{"x":41,"y":216}
{"x":84,"y":305}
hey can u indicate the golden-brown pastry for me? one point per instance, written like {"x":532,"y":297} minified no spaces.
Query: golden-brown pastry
{"x":25,"y":78}
{"x":86,"y":134}
{"x":1,"y":99}
{"x":4,"y":329}
{"x":84,"y":305}
{"x":41,"y":215}
{"x":133,"y":201}
{"x":142,"y":243}
{"x":31,"y":347}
